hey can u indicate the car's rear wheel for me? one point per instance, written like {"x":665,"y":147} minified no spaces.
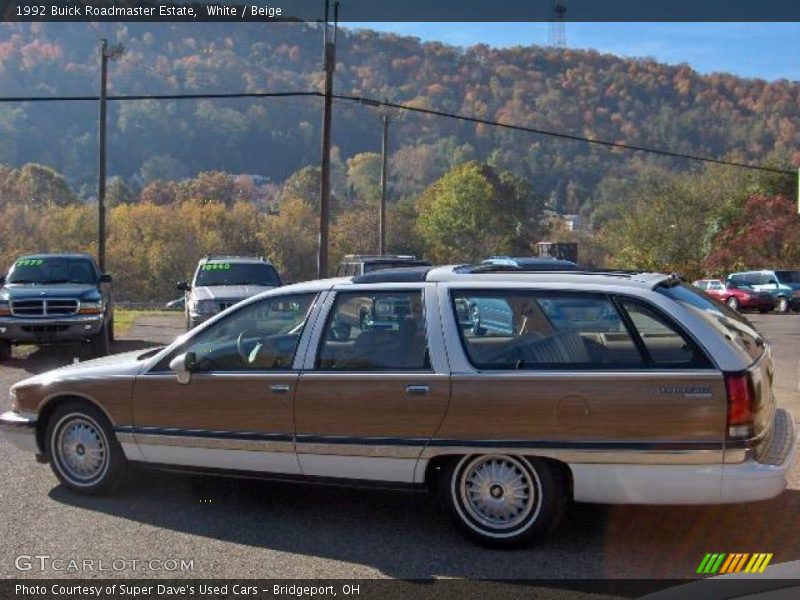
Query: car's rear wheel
{"x":783,"y":305}
{"x":503,"y":501}
{"x":83,"y":452}
{"x":732,"y":303}
{"x":5,"y":349}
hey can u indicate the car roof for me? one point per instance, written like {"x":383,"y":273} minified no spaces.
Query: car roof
{"x":58,"y":255}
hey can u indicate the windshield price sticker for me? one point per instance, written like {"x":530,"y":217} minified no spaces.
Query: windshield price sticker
{"x":217,"y":267}
{"x":30,"y":262}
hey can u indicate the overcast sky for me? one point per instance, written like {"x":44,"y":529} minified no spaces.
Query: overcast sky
{"x":766,"y":50}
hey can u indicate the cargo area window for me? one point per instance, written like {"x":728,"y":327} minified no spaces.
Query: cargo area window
{"x":505,"y":330}
{"x":666,"y":347}
{"x":382,"y":331}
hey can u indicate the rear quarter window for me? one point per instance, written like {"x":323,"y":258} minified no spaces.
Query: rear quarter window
{"x":728,"y":323}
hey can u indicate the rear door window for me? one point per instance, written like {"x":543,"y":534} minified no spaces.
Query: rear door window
{"x":519,"y":330}
{"x":382,"y":331}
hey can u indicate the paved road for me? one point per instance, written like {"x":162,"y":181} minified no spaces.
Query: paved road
{"x":256,"y":529}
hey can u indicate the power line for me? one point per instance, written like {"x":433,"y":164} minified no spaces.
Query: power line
{"x":427,"y":111}
{"x":565,"y":136}
{"x":119,"y":98}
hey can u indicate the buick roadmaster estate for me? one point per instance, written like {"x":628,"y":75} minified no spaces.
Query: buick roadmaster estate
{"x":598,"y":387}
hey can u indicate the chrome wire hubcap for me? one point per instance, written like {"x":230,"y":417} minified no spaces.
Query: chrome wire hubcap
{"x":497,"y":492}
{"x":82,"y":448}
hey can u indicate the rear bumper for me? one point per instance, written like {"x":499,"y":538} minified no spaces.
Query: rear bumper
{"x":768,"y":475}
{"x":20,"y":430}
{"x":749,"y":481}
{"x":50,"y":331}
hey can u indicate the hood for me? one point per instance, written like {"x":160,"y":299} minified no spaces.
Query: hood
{"x":115,"y":365}
{"x":28,"y":291}
{"x":229,"y":292}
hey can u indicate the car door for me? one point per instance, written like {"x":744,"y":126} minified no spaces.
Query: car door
{"x":372,"y":394}
{"x":611,"y":381}
{"x":236,"y":412}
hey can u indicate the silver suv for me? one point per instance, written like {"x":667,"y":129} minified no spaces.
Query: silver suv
{"x":221,"y":281}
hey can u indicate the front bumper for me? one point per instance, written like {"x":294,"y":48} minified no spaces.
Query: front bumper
{"x":20,"y":430}
{"x":766,"y":302}
{"x":49,"y":331}
{"x":197,"y":319}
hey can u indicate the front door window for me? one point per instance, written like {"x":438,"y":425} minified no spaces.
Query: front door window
{"x":262,"y":336}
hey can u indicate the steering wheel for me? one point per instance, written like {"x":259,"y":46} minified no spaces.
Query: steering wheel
{"x":245,"y":356}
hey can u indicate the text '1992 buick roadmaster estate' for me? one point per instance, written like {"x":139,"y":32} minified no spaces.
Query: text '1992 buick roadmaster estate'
{"x":598,"y":387}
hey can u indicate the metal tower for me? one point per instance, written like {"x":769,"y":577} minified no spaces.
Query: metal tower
{"x":558,"y":33}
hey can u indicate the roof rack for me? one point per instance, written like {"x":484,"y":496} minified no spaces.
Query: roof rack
{"x":379,"y":257}
{"x":228,"y":256}
{"x":557,"y":268}
{"x":395,"y":275}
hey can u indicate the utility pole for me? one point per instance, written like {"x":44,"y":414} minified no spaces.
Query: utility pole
{"x":384,"y":176}
{"x":106,"y":53}
{"x":325,"y":167}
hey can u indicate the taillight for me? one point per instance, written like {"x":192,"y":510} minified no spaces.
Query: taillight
{"x":741,"y":405}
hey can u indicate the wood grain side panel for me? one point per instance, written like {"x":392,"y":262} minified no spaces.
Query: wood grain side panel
{"x":215,"y":403}
{"x":112,"y":395}
{"x":590,"y":407}
{"x":369,"y":406}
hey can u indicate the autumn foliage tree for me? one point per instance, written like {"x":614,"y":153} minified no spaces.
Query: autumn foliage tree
{"x":765,"y":235}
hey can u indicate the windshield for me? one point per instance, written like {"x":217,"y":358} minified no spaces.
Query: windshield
{"x":788,"y":276}
{"x":729,"y":323}
{"x":51,"y":270}
{"x":229,"y":273}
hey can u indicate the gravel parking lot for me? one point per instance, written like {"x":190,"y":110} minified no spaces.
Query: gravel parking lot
{"x":257,"y":529}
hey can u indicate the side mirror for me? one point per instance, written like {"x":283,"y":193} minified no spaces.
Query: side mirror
{"x":106,"y":278}
{"x":183,"y":364}
{"x":183,"y":286}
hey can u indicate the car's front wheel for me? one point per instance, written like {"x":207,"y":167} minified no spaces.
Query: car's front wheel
{"x":503,"y":501}
{"x":99,"y":344}
{"x":732,"y":303}
{"x":83,"y":452}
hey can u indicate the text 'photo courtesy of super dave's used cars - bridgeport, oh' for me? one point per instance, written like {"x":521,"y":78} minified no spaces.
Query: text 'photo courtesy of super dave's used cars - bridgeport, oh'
{"x":510,"y":393}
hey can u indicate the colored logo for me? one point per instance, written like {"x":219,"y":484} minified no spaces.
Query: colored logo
{"x":721,"y":563}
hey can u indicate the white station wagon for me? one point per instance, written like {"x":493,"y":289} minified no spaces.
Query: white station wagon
{"x":511,"y":393}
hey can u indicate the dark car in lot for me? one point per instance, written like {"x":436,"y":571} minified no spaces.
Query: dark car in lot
{"x":783,"y":285}
{"x":355,"y":265}
{"x":56,"y":298}
{"x":737,"y":295}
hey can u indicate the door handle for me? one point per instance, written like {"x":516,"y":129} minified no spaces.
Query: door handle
{"x":417,"y":389}
{"x":279,"y":388}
